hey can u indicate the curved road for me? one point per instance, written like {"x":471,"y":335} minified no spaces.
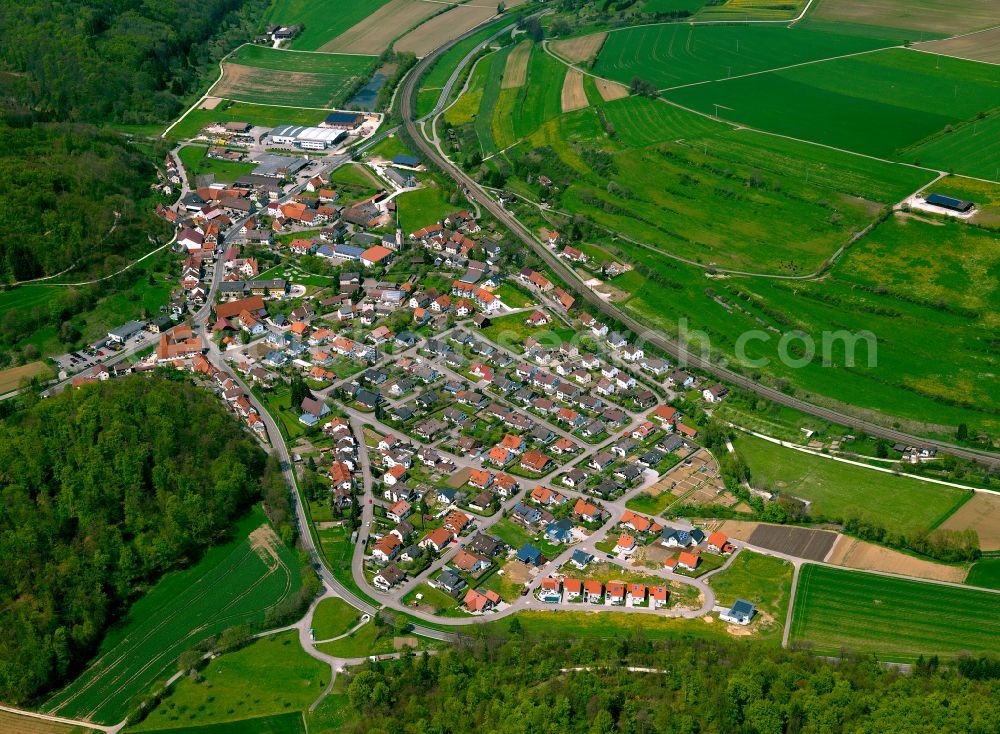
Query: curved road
{"x":676,"y":350}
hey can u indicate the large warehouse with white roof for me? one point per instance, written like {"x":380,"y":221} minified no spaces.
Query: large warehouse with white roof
{"x":309,"y":138}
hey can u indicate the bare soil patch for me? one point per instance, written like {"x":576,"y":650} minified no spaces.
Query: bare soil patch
{"x":739,"y":529}
{"x":442,"y":28}
{"x":265,"y":544}
{"x":10,"y":379}
{"x":517,"y":572}
{"x":982,"y":514}
{"x":515,"y":72}
{"x":210,"y":103}
{"x":374,"y":34}
{"x":933,"y":16}
{"x":459,"y":478}
{"x":573,"y":95}
{"x":398,"y":643}
{"x":800,"y":542}
{"x":854,"y":553}
{"x":611,"y":91}
{"x":580,"y":50}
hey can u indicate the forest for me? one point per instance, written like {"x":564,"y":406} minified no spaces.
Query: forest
{"x":735,"y":687}
{"x":84,"y":190}
{"x":104,"y":489}
{"x":121,"y":61}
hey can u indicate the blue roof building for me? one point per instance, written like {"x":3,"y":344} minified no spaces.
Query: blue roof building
{"x":406,"y":160}
{"x":531,"y":555}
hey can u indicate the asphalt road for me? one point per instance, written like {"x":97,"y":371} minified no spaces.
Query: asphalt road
{"x":682,"y":355}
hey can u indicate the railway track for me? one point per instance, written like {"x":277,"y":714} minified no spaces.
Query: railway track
{"x":670,"y":347}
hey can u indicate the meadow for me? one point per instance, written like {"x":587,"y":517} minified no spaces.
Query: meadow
{"x":234,"y":583}
{"x":764,"y":581}
{"x":290,"y":723}
{"x":720,"y":197}
{"x":232,"y":111}
{"x":321,"y":24}
{"x":972,"y":148}
{"x":197,"y":163}
{"x":676,"y":54}
{"x":271,"y":676}
{"x":878,"y":104}
{"x":332,"y":617}
{"x":894,"y":619}
{"x":423,"y":207}
{"x":270,"y":76}
{"x":839,"y":490}
{"x":486,"y":119}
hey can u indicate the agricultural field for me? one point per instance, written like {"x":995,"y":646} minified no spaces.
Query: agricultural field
{"x":859,"y":554}
{"x":321,"y":23}
{"x":735,"y":10}
{"x":11,"y":378}
{"x":894,"y":619}
{"x":971,"y":148}
{"x":290,"y":723}
{"x":373,"y":34}
{"x":985,"y":573}
{"x":11,"y":723}
{"x":982,"y":514}
{"x":484,"y":124}
{"x":574,"y":97}
{"x":516,"y":69}
{"x":230,"y":111}
{"x":196,"y":163}
{"x":764,"y":581}
{"x":234,"y":583}
{"x":269,"y":677}
{"x":839,"y":490}
{"x":677,"y":54}
{"x":880,"y":104}
{"x":435,"y":32}
{"x":265,"y":75}
{"x":946,"y":17}
{"x":580,"y":50}
{"x":982,"y":46}
{"x":919,"y":361}
{"x":728,"y":199}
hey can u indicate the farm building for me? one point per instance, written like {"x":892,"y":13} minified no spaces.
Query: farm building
{"x":948,"y":202}
{"x":406,"y":160}
{"x":308,"y":138}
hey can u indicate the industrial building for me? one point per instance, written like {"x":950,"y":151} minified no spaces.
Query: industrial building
{"x":307,"y":138}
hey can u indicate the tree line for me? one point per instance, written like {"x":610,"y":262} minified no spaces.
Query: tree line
{"x":105,"y":489}
{"x":703,"y":686}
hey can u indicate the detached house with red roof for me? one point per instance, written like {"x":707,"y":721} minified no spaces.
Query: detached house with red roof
{"x":477,"y":602}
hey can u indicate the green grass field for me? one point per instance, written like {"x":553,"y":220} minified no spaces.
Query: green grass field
{"x":265,"y":75}
{"x":333,"y":617}
{"x":878,"y":104}
{"x":985,"y":573}
{"x":511,"y":331}
{"x":676,"y":54}
{"x":721,"y":197}
{"x":489,"y":100}
{"x":423,"y":207}
{"x":272,"y":676}
{"x":111,"y":307}
{"x":289,"y":723}
{"x":322,"y":22}
{"x":234,"y":583}
{"x":839,"y":490}
{"x":514,"y":296}
{"x":585,"y":625}
{"x":764,"y":581}
{"x":972,"y":148}
{"x":894,"y":619}
{"x":196,"y":163}
{"x":230,"y":111}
